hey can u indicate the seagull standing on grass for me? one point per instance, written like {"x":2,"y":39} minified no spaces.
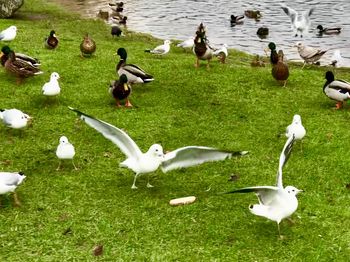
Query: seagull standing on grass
{"x":9,"y":182}
{"x":296,"y":128}
{"x":14,"y":118}
{"x":161,"y":49}
{"x":65,"y":150}
{"x":52,"y":88}
{"x":142,"y":163}
{"x":309,"y":54}
{"x":189,"y":43}
{"x":300,"y":22}
{"x":8,"y":34}
{"x":275,"y":202}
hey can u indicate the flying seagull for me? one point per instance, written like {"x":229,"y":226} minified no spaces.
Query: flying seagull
{"x":275,"y":202}
{"x":142,"y":163}
{"x":300,"y":22}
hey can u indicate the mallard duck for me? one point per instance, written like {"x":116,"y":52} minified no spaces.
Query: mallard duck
{"x":161,"y":49}
{"x":309,"y":54}
{"x":280,"y":70}
{"x":52,"y":88}
{"x":116,"y":31}
{"x":87,"y":46}
{"x":262,"y":32}
{"x":273,"y":53}
{"x":117,"y":6}
{"x":221,"y":53}
{"x":9,"y":181}
{"x":5,"y":51}
{"x":20,"y":68}
{"x":8,"y":34}
{"x":133,"y":73}
{"x":120,"y":19}
{"x":65,"y":150}
{"x":328,"y":31}
{"x":257,"y":62}
{"x":338,"y":90}
{"x":201,"y":48}
{"x":121,"y":90}
{"x":236,"y":20}
{"x":51,"y":41}
{"x":300,"y":22}
{"x":14,"y":118}
{"x":255,"y":14}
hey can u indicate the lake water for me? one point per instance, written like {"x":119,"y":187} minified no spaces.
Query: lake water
{"x":178,"y":19}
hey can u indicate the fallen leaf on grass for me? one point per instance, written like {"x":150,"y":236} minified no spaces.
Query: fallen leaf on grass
{"x":98,"y":250}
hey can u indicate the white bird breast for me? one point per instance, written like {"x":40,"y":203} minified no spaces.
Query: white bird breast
{"x":65,"y":151}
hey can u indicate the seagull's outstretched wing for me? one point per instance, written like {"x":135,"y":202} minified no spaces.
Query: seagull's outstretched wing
{"x":116,"y":135}
{"x":266,"y":194}
{"x":195,"y":155}
{"x":287,"y":149}
{"x":290,"y":12}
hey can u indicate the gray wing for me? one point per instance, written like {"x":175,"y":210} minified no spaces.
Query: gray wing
{"x":287,"y":149}
{"x":112,"y":133}
{"x":135,"y":70}
{"x":265,"y":194}
{"x":195,"y":155}
{"x":158,"y":50}
{"x":290,"y":12}
{"x":336,"y":84}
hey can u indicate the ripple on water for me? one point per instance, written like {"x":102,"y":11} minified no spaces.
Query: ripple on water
{"x":178,"y":19}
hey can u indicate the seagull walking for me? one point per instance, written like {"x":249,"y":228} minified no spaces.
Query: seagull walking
{"x":275,"y":202}
{"x":300,"y":22}
{"x":296,"y":128}
{"x":65,"y":150}
{"x":161,"y":49}
{"x":9,"y":181}
{"x":142,"y":163}
{"x":14,"y":118}
{"x":309,"y":54}
{"x":8,"y":34}
{"x":52,"y":88}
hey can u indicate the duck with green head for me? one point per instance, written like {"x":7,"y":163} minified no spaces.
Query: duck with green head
{"x":133,"y":73}
{"x":273,"y":53}
{"x":5,"y":51}
{"x":280,"y":70}
{"x":121,"y":90}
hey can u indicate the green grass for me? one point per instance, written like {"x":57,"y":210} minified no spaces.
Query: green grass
{"x":232,"y":106}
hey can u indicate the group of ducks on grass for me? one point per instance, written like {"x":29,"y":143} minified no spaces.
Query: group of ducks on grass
{"x":275,"y":202}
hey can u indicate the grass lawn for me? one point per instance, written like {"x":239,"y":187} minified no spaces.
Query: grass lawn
{"x":65,"y":214}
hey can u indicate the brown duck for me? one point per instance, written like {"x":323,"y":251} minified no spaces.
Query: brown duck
{"x":280,"y":70}
{"x":121,"y":90}
{"x":51,"y":41}
{"x":87,"y":46}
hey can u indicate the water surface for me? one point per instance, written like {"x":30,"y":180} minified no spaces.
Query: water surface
{"x":178,"y":19}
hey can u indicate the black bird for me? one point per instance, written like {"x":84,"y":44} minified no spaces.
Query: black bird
{"x":51,"y":41}
{"x":116,"y":31}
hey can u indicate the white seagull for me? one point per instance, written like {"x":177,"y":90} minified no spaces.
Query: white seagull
{"x":296,"y":128}
{"x":142,"y":163}
{"x":8,"y":34}
{"x":52,"y":87}
{"x":309,"y":54}
{"x":300,"y":22}
{"x":65,"y":150}
{"x":161,"y":49}
{"x":189,"y":43}
{"x":14,"y":118}
{"x":9,"y":182}
{"x":275,"y":202}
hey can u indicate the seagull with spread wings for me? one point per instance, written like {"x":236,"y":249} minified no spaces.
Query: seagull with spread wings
{"x":142,"y":163}
{"x":275,"y":202}
{"x":300,"y":22}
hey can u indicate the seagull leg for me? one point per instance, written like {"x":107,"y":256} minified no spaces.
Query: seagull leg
{"x":15,"y":198}
{"x":279,"y":231}
{"x":133,"y":185}
{"x":303,"y":65}
{"x":75,"y":168}
{"x":285,"y":83}
{"x":59,"y":166}
{"x":148,"y":184}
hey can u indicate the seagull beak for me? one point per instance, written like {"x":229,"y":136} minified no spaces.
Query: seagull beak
{"x":30,"y":121}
